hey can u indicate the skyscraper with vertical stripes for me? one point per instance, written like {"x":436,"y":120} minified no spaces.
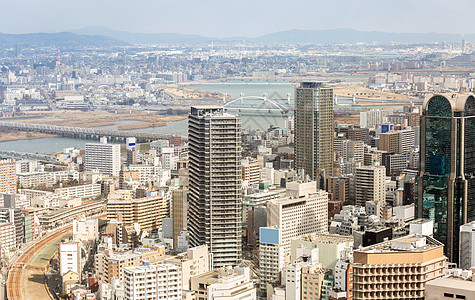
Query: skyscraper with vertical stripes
{"x":314,"y":130}
{"x":215,"y":204}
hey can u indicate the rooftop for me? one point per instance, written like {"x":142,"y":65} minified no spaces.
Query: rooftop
{"x":410,"y":243}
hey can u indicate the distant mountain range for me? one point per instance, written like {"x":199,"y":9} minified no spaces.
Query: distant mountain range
{"x":143,"y":38}
{"x":103,"y":36}
{"x":60,"y":39}
{"x":355,"y":36}
{"x":295,"y":36}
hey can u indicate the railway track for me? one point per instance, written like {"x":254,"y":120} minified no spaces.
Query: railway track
{"x":15,"y":274}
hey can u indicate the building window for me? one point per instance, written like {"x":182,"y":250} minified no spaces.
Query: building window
{"x":448,"y":295}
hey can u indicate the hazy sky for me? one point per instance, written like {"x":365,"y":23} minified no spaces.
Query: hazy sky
{"x":225,"y":18}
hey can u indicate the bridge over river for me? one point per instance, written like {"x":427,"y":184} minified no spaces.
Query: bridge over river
{"x":85,"y":133}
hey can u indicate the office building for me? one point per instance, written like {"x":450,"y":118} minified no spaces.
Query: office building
{"x":8,"y":176}
{"x":304,"y":277}
{"x":304,"y":210}
{"x":400,"y":141}
{"x":314,"y":130}
{"x":329,"y":247}
{"x":397,"y":269}
{"x":339,"y":187}
{"x":214,"y":199}
{"x":370,"y":184}
{"x":349,"y":150}
{"x":467,"y":246}
{"x":354,"y":133}
{"x":446,"y":189}
{"x":271,"y":257}
{"x":104,"y":157}
{"x":70,"y":258}
{"x":150,"y":282}
{"x":180,"y":207}
{"x":374,"y":118}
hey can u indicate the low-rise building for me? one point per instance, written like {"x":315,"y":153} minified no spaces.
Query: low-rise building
{"x":147,"y":281}
{"x":224,"y":284}
{"x":449,"y":288}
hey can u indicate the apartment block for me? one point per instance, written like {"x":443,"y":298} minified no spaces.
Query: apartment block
{"x":7,"y":238}
{"x":104,"y":157}
{"x":397,"y":269}
{"x":314,"y":130}
{"x":147,"y":211}
{"x":250,"y":171}
{"x":370,"y":184}
{"x":8,"y":176}
{"x":149,"y":282}
{"x":215,"y":201}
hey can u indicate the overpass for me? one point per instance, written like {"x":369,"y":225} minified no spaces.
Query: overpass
{"x":85,"y":133}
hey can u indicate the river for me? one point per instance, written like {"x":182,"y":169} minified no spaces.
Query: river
{"x":274,"y":89}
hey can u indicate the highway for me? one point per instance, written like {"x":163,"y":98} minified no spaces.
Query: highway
{"x":15,"y":274}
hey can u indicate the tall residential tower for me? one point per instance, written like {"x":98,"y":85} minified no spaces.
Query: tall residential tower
{"x":215,"y":203}
{"x":446,"y":187}
{"x":314,"y":130}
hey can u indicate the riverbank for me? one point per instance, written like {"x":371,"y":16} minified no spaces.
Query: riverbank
{"x":22,"y":135}
{"x":82,"y":119}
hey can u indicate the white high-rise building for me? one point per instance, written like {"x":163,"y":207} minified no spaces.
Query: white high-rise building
{"x":370,"y":184}
{"x":467,"y":246}
{"x":304,"y":210}
{"x":271,"y":257}
{"x":373,"y":118}
{"x":149,"y":282}
{"x":70,"y":258}
{"x":349,"y":150}
{"x":104,"y":157}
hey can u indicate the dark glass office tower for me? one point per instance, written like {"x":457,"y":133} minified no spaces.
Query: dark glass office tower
{"x":446,"y":185}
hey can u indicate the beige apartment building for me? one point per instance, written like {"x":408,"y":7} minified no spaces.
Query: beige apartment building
{"x":148,"y":211}
{"x":110,"y":265}
{"x":250,"y":171}
{"x":397,"y":269}
{"x":8,"y":176}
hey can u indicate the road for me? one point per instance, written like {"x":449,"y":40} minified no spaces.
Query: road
{"x":17,"y":270}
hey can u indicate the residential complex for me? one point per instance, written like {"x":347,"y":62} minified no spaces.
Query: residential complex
{"x":314,"y":130}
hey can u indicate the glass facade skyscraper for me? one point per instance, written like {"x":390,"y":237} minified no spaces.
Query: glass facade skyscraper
{"x":446,"y":186}
{"x":314,"y":130}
